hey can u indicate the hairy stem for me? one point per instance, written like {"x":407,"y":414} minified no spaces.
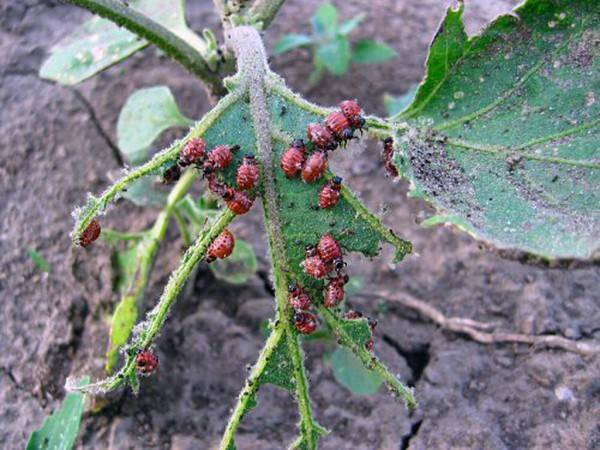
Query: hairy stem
{"x":148,"y":249}
{"x":156,"y":318}
{"x":264,"y":11}
{"x":98,"y":205}
{"x":252,"y":64}
{"x":148,"y":29}
{"x":190,"y":259}
{"x":246,"y":397}
{"x":397,"y":388}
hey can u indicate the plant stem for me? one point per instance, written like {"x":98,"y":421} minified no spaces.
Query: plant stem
{"x":252,"y":64}
{"x":190,"y":259}
{"x":97,"y":205}
{"x":397,"y":388}
{"x":159,"y":229}
{"x":264,"y":11}
{"x":150,"y":30}
{"x":147,"y":251}
{"x":156,"y":318}
{"x":183,"y":228}
{"x":246,"y":397}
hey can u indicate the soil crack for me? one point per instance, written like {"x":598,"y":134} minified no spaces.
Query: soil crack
{"x":90,"y":110}
{"x":417,"y":359}
{"x":414,"y":429}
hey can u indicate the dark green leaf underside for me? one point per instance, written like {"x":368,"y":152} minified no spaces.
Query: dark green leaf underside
{"x":304,"y":223}
{"x":349,"y":221}
{"x":507,"y":129}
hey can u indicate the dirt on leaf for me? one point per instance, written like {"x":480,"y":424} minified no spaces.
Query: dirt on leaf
{"x":54,"y":148}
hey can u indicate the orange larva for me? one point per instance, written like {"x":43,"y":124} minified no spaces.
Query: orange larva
{"x":248,"y":173}
{"x":353,"y":112}
{"x":315,"y":167}
{"x":221,"y":247}
{"x":146,"y":362}
{"x":193,"y":152}
{"x":238,"y":201}
{"x":305,"y":322}
{"x":330,"y":194}
{"x":338,"y":124}
{"x":328,"y":248}
{"x":293,"y":158}
{"x":90,"y":234}
{"x":321,"y":137}
{"x":298,"y":298}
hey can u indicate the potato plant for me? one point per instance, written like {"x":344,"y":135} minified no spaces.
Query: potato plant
{"x":501,"y":137}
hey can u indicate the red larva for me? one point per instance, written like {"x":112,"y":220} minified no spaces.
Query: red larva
{"x":369,"y":345}
{"x":221,"y":247}
{"x":90,"y":234}
{"x":314,"y":265}
{"x":238,"y":201}
{"x":338,"y":124}
{"x":293,"y":158}
{"x":321,"y":137}
{"x":171,"y":174}
{"x":219,"y":157}
{"x":305,"y":322}
{"x":353,"y":315}
{"x":315,"y":167}
{"x":334,"y":293}
{"x":330,"y":194}
{"x":387,"y":154}
{"x":328,"y":248}
{"x":353,"y":112}
{"x":217,"y":187}
{"x":146,"y":362}
{"x":248,"y":173}
{"x":193,"y":152}
{"x":372,"y":323}
{"x":298,"y":298}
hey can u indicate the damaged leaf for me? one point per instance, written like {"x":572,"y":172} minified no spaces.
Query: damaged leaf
{"x":504,"y":135}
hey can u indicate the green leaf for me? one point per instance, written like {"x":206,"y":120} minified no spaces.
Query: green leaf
{"x":325,"y":19}
{"x":279,"y":370}
{"x":291,"y":41}
{"x":335,"y":55}
{"x":197,"y":213}
{"x":351,"y":373}
{"x":302,"y":442}
{"x":146,"y":114}
{"x":144,"y":192}
{"x":394,"y":105}
{"x":39,"y":260}
{"x":113,"y":237}
{"x":121,"y":324}
{"x":316,"y":76}
{"x":354,"y":286}
{"x":263,"y":117}
{"x":347,"y":27}
{"x":506,"y":130}
{"x":239,"y":267}
{"x":59,"y":431}
{"x":126,"y":264}
{"x":98,"y":43}
{"x":369,"y":51}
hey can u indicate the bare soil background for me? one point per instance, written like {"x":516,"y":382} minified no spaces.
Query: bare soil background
{"x":55,"y":145}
